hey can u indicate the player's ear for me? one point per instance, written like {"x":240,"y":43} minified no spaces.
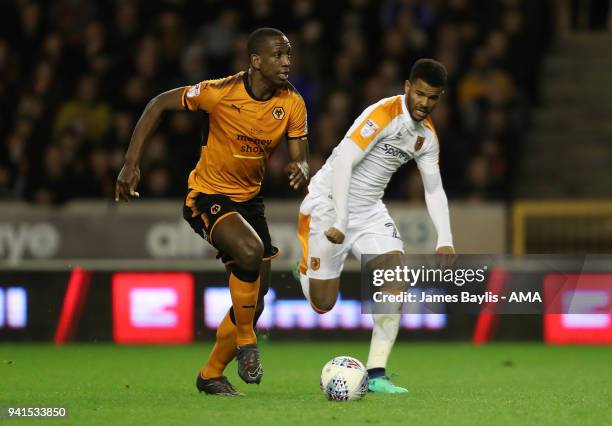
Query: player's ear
{"x":406,"y":86}
{"x":255,"y":61}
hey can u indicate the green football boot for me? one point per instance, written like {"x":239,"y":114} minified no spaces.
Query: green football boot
{"x":383,"y":384}
{"x":295,"y":273}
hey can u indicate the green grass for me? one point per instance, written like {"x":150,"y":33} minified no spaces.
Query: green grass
{"x":449,"y":384}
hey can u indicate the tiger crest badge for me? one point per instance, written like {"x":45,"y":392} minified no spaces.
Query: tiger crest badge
{"x":315,"y":263}
{"x":419,"y":143}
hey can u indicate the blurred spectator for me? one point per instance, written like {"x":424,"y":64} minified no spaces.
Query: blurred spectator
{"x":85,"y":113}
{"x":590,"y":14}
{"x":158,"y":182}
{"x":52,"y":184}
{"x":60,"y":144}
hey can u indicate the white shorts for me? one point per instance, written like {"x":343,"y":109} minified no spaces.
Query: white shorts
{"x":370,"y":231}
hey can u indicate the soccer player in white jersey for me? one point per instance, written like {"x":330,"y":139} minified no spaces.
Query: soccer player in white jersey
{"x":344,"y":212}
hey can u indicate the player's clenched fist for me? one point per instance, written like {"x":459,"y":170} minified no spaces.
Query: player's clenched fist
{"x":445,"y":256}
{"x":334,"y":235}
{"x":128,"y":179}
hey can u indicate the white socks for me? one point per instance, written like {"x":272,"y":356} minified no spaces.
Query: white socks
{"x":386,"y":326}
{"x":305,"y":282}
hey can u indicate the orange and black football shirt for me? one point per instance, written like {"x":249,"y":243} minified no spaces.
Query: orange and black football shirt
{"x":243,"y":133}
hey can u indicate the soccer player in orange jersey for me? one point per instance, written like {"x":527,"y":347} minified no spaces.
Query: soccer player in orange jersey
{"x":250,"y":114}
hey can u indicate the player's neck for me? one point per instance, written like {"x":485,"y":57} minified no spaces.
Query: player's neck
{"x":257,"y":87}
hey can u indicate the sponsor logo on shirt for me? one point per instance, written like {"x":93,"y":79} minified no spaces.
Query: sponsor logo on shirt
{"x":395,"y":152}
{"x":254,"y":144}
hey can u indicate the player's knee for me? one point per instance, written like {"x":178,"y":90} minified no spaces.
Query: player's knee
{"x":251,"y":254}
{"x":244,"y":274}
{"x":323,"y":303}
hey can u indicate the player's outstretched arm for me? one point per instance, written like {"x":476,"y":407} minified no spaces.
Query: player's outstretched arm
{"x":297,"y":170}
{"x":437,"y":205}
{"x":129,"y":176}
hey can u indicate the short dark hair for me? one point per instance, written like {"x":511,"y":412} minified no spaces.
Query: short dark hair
{"x":430,"y":71}
{"x":257,"y":38}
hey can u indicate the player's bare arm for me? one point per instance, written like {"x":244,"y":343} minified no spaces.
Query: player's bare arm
{"x":129,"y":176}
{"x":297,"y":170}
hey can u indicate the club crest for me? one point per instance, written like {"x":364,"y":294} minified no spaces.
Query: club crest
{"x":419,"y":143}
{"x":278,"y":113}
{"x":315,"y":263}
{"x":214,"y":209}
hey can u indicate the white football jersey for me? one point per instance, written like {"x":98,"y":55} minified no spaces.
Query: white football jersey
{"x":390,"y":138}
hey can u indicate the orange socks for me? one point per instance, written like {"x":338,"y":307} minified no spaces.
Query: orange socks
{"x":244,"y":300}
{"x":223,"y":351}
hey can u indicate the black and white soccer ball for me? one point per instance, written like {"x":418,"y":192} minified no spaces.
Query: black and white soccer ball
{"x":344,"y":378}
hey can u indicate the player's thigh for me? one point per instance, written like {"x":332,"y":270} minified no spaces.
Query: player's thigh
{"x":254,"y":213}
{"x":324,"y":263}
{"x":384,"y":245}
{"x":377,"y":237}
{"x":321,"y":259}
{"x":217,"y":219}
{"x":235,"y":237}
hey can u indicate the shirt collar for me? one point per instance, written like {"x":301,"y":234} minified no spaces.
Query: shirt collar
{"x":407,"y":117}
{"x":404,"y":107}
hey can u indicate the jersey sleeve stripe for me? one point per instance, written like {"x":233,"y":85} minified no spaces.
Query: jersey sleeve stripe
{"x":183,"y":98}
{"x":297,"y":137}
{"x":429,"y":124}
{"x":371,"y":124}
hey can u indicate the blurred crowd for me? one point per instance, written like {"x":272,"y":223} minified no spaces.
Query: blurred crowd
{"x":75,"y":75}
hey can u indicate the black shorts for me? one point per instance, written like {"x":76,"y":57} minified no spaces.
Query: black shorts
{"x":204,"y":211}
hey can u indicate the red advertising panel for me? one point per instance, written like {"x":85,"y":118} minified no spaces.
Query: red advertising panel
{"x":586,"y":303}
{"x":153,"y":307}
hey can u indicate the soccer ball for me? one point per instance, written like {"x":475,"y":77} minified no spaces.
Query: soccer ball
{"x":344,"y":379}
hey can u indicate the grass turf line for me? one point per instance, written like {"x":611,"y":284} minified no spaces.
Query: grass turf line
{"x":449,"y":384}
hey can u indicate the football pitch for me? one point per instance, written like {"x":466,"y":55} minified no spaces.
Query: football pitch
{"x":449,"y":383}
